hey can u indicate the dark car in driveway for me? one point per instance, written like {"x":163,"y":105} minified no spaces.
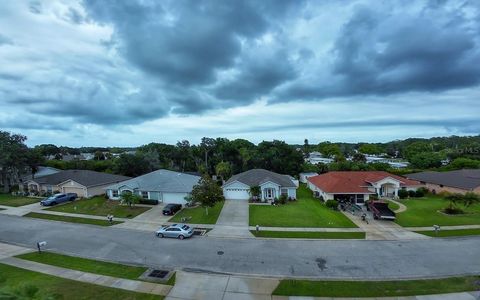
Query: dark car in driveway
{"x":171,"y":208}
{"x":58,"y":198}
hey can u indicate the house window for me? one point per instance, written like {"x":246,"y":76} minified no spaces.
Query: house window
{"x":49,"y":188}
{"x":284,"y":192}
{"x":360,"y":198}
{"x":115,"y":193}
{"x":144,"y":195}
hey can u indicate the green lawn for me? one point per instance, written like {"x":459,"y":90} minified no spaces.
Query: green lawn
{"x":448,"y":233}
{"x":376,"y":288}
{"x":85,"y":265}
{"x":198,"y":214}
{"x":305,"y":212}
{"x":425,"y":212}
{"x":393,"y":206}
{"x":309,"y":235}
{"x":26,"y":284}
{"x":9,"y":200}
{"x":70,"y":219}
{"x":99,"y":206}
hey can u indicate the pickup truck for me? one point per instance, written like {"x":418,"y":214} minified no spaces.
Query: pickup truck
{"x":58,"y":198}
{"x":380,"y":210}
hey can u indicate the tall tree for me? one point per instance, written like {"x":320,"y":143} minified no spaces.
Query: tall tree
{"x":13,"y":158}
{"x":207,"y":193}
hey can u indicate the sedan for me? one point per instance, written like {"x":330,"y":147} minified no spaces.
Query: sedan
{"x":179,"y":231}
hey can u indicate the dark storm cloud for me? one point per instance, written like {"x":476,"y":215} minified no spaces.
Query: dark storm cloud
{"x":382,"y":53}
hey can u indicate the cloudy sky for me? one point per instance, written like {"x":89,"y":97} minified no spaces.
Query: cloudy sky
{"x":125,"y":73}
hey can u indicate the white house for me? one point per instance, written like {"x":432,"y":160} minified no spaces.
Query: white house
{"x":271,"y":184}
{"x":357,"y":186}
{"x":162,"y":185}
{"x":304,"y":176}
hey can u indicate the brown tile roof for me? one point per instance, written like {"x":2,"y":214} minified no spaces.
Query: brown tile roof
{"x":354,"y":181}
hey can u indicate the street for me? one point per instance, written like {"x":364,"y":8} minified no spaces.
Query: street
{"x":289,"y":258}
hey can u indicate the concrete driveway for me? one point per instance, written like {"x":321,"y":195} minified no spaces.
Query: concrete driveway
{"x":150,"y":220}
{"x":233,"y":220}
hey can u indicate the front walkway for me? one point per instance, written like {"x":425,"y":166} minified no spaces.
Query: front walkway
{"x":233,"y":220}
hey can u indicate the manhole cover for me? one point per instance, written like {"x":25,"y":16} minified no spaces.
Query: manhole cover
{"x":220,"y":252}
{"x":158,"y":273}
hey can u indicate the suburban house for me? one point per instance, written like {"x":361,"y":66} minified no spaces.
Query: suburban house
{"x":357,"y":186}
{"x":162,"y":185}
{"x":84,"y":183}
{"x":459,"y":181}
{"x":304,"y":176}
{"x":271,"y":184}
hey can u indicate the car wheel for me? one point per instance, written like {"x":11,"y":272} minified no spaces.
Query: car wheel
{"x":181,"y":237}
{"x":159,"y":235}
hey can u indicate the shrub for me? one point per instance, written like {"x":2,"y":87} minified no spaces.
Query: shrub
{"x":149,"y":201}
{"x":283,"y":199}
{"x":332,"y":204}
{"x":411,"y":194}
{"x":373,"y":197}
{"x":452,"y":210}
{"x":419,"y":193}
{"x":402,"y":194}
{"x":321,"y":198}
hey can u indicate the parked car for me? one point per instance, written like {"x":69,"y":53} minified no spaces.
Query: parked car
{"x":171,"y":209}
{"x":179,"y":231}
{"x":58,"y":198}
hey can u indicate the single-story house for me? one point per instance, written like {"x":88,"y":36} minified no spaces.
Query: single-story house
{"x":459,"y":181}
{"x":162,"y":185}
{"x":84,"y":183}
{"x":304,"y":176}
{"x":271,"y":184}
{"x":357,"y":186}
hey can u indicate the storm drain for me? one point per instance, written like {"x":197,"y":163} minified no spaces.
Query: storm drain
{"x":160,"y":274}
{"x":199,"y":231}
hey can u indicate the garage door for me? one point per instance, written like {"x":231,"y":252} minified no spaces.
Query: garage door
{"x":79,"y":191}
{"x":236,"y":194}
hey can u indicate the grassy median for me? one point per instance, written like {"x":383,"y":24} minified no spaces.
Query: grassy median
{"x":308,"y":234}
{"x":71,"y":219}
{"x":377,"y":288}
{"x":451,"y":233}
{"x":16,"y":283}
{"x":85,"y":264}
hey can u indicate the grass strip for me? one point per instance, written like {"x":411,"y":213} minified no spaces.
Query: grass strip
{"x":71,"y":219}
{"x":17,"y":283}
{"x":85,"y":264}
{"x":449,"y":233}
{"x":309,"y":234}
{"x":377,"y":288}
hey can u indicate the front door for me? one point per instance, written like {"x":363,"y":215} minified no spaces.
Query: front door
{"x":269,"y":193}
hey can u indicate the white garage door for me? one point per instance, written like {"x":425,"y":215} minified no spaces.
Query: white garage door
{"x":79,"y":191}
{"x":236,"y":194}
{"x":178,"y":198}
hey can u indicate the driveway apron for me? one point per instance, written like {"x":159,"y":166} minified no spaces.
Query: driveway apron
{"x":233,"y":220}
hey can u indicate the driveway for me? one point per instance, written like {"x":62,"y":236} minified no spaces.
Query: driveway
{"x":233,"y":220}
{"x":359,"y":259}
{"x":150,"y":220}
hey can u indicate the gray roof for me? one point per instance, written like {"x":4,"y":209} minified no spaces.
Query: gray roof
{"x":467,"y":179}
{"x":161,"y":181}
{"x":256,"y":177}
{"x":86,"y":178}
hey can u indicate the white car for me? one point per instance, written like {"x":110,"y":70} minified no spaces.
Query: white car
{"x":179,"y":231}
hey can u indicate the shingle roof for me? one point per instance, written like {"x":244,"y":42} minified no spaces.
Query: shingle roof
{"x":86,"y":178}
{"x":161,"y":181}
{"x":467,"y":179}
{"x":354,"y":181}
{"x":256,"y":177}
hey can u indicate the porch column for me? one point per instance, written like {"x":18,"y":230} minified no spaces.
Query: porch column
{"x":396,"y":193}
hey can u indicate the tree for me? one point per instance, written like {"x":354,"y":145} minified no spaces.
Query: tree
{"x":207,"y":193}
{"x":130,"y":199}
{"x":359,"y":157}
{"x":329,"y":150}
{"x":132,"y":165}
{"x":207,"y":145}
{"x":13,"y":158}
{"x":98,"y":155}
{"x":369,"y":149}
{"x":224,"y":170}
{"x":255,"y":191}
{"x":470,"y":198}
{"x":464,"y":163}
{"x":426,"y":160}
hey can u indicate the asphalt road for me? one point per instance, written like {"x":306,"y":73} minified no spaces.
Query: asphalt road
{"x":290,"y":258}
